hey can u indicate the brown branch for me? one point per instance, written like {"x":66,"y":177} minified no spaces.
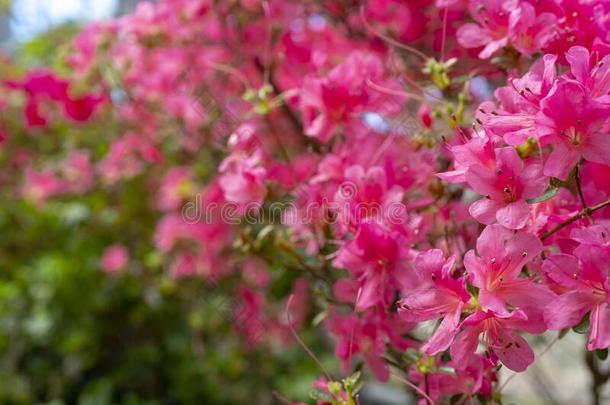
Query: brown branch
{"x":586,"y":212}
{"x":579,"y":189}
{"x":599,"y":377}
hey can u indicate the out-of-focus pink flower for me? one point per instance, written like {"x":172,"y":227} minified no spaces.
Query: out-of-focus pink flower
{"x":175,"y":188}
{"x":358,"y":336}
{"x":114,"y":259}
{"x":243,"y":180}
{"x":77,"y":173}
{"x":40,"y":185}
{"x":127,"y":157}
{"x":339,"y":97}
{"x":499,"y":23}
{"x":376,"y":260}
{"x":42,"y":86}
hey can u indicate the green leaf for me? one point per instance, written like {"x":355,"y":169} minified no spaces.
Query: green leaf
{"x":320,"y":396}
{"x":583,"y":327}
{"x":352,"y":380}
{"x":335,"y":388}
{"x":548,"y":194}
{"x":319,"y":318}
{"x":602,"y":354}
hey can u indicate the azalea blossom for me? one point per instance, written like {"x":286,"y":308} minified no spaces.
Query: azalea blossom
{"x":442,"y":296}
{"x":584,"y":278}
{"x":505,"y":188}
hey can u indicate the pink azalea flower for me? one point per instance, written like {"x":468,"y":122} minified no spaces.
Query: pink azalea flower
{"x":442,"y":296}
{"x":530,"y":32}
{"x":40,"y":185}
{"x":339,"y":97}
{"x":519,"y":103}
{"x":496,"y":272}
{"x":582,"y":23}
{"x":76,"y":170}
{"x":576,"y":125}
{"x":491,"y":28}
{"x":505,"y":188}
{"x":499,"y":339}
{"x":243,"y":180}
{"x":478,"y":377}
{"x":114,"y":259}
{"x":41,"y":86}
{"x":476,"y":151}
{"x":502,"y":22}
{"x":359,"y":336}
{"x":436,"y":383}
{"x":584,"y":276}
{"x":376,"y":259}
{"x":127,"y":157}
{"x":175,"y":187}
{"x":596,"y":79}
{"x":365,"y":195}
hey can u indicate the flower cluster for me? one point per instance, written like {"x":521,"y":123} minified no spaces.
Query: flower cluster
{"x":457,"y":154}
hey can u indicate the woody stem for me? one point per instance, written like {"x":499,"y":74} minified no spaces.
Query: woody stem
{"x":584,"y":213}
{"x":599,"y":377}
{"x":579,"y":189}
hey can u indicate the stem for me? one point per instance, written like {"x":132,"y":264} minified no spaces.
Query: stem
{"x":415,"y":388}
{"x":586,"y":212}
{"x":391,"y":92}
{"x":389,"y":40}
{"x":303,"y":345}
{"x":444,"y":33}
{"x":579,"y":189}
{"x":599,"y":377}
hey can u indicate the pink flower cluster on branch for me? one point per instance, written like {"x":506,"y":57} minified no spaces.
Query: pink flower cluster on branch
{"x":451,"y":159}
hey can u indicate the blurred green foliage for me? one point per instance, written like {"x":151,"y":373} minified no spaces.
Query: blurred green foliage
{"x":71,"y":334}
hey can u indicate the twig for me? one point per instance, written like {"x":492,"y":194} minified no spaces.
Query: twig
{"x":598,"y":376}
{"x":579,"y":189}
{"x":303,"y":345}
{"x":415,"y":388}
{"x":585,"y":212}
{"x":389,"y":40}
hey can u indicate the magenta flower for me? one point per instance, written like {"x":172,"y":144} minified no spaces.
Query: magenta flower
{"x":496,"y":272}
{"x":175,"y":187}
{"x":476,"y":151}
{"x":377,"y":261}
{"x":491,"y":29}
{"x":339,"y":97}
{"x":42,"y":86}
{"x":502,"y":22}
{"x":505,"y":189}
{"x":442,"y":296}
{"x":576,"y":125}
{"x":242,"y":180}
{"x":584,"y":275}
{"x":114,"y":259}
{"x":359,"y":336}
{"x":40,"y":185}
{"x":368,"y":196}
{"x":595,"y":78}
{"x":499,"y":338}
